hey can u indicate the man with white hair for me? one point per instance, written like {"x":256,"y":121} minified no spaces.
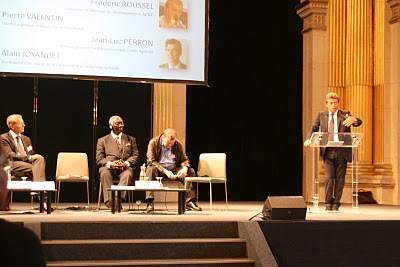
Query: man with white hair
{"x":116,"y":155}
{"x":19,"y":151}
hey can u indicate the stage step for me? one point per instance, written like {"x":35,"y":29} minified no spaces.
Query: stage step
{"x":159,"y":263}
{"x":144,"y":243}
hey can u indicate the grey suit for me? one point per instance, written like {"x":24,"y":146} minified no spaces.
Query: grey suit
{"x":107,"y":150}
{"x":30,"y":165}
{"x":335,"y":159}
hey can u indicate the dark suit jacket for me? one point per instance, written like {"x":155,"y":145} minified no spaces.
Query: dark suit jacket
{"x":11,"y":149}
{"x":321,"y":122}
{"x":107,"y":150}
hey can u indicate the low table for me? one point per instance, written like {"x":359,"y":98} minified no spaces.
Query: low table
{"x":119,"y":189}
{"x":29,"y":186}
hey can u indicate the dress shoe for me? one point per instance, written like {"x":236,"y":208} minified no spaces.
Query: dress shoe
{"x":328,"y":208}
{"x":108,"y":204}
{"x":190,"y":205}
{"x":45,"y":207}
{"x":150,"y":207}
{"x":335,"y":208}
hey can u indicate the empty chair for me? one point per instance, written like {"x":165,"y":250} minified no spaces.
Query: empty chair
{"x":211,"y":169}
{"x":72,"y":167}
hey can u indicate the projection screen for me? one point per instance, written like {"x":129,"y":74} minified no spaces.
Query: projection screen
{"x":106,"y":39}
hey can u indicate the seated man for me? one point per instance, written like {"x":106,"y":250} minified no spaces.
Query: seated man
{"x":18,"y":148}
{"x":166,"y":157}
{"x":19,"y":151}
{"x":116,"y":155}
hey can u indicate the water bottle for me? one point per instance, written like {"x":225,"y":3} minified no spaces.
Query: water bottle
{"x":142,"y":172}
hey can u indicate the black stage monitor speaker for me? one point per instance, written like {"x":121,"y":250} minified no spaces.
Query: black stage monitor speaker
{"x":284,"y":208}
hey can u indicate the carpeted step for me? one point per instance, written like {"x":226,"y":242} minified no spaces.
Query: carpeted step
{"x":232,"y":262}
{"x":141,"y":249}
{"x":144,"y":244}
{"x":139,"y":230}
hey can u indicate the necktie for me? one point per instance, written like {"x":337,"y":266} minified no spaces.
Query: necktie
{"x":20,"y":148}
{"x":117,"y":141}
{"x":331,"y":128}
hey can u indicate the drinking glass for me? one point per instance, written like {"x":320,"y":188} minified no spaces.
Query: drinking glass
{"x":24,"y":180}
{"x":159,"y":180}
{"x":138,"y":202}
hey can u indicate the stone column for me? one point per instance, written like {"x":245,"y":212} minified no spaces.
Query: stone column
{"x":359,"y":71}
{"x":379,"y":81}
{"x":315,"y":75}
{"x":337,"y":47}
{"x":169,"y":109}
{"x":392,"y":97}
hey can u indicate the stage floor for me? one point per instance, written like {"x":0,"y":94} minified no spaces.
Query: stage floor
{"x":238,"y":211}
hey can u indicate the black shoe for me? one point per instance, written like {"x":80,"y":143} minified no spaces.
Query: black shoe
{"x":150,"y":207}
{"x":190,"y":205}
{"x":108,"y":204}
{"x":335,"y":208}
{"x":328,"y":208}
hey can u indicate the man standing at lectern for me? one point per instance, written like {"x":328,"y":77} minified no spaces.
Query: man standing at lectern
{"x":335,"y":159}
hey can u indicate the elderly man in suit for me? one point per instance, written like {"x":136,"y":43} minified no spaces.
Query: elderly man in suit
{"x":334,"y":120}
{"x":18,"y":149}
{"x":116,"y":155}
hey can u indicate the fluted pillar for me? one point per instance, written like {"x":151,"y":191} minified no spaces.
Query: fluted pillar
{"x":359,"y":71}
{"x":337,"y":47}
{"x":392,"y":98}
{"x":315,"y":81}
{"x":169,"y":109}
{"x":379,"y":81}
